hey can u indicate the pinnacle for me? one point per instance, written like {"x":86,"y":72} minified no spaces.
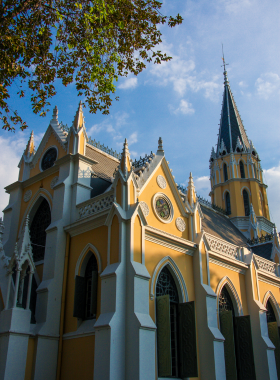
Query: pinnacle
{"x":160,"y":147}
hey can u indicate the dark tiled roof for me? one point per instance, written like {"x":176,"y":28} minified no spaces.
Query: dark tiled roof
{"x":231,"y":124}
{"x":221,"y":227}
{"x":106,"y":165}
{"x":263,"y":250}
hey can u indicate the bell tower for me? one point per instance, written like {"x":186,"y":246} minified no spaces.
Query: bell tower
{"x":235,"y":173}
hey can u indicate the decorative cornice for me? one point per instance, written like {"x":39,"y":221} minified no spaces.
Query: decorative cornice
{"x":266,"y":265}
{"x":95,"y":205}
{"x":223,"y":261}
{"x":221,"y":246}
{"x":87,"y":224}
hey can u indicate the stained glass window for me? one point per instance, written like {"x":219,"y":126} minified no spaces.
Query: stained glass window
{"x":49,"y":159}
{"x":40,"y":222}
{"x":162,"y":208}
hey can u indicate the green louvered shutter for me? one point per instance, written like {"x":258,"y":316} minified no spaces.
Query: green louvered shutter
{"x":226,"y":323}
{"x":187,"y":340}
{"x":163,"y":336}
{"x":244,"y":348}
{"x":273,"y":334}
{"x":93,"y":306}
{"x":80,"y":297}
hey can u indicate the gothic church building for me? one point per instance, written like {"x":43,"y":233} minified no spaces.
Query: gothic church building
{"x":110,"y":271}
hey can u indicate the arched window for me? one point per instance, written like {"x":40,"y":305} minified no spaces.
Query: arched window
{"x":228,"y":207}
{"x":246,"y":202}
{"x":40,"y":222}
{"x":242,"y":170}
{"x":273,"y":333}
{"x":85,"y":302}
{"x":255,"y":171}
{"x":225,"y":172}
{"x":234,"y":328}
{"x":176,"y":333}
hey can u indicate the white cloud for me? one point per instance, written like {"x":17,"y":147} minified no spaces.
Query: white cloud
{"x":268,"y":84}
{"x":184,"y":107}
{"x":11,"y":149}
{"x":272,"y":179}
{"x":128,"y":83}
{"x":132,"y":138}
{"x":202,"y":186}
{"x":236,"y":6}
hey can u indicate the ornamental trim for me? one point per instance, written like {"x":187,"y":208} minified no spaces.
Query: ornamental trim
{"x":145,"y":208}
{"x":96,"y":206}
{"x":161,"y":182}
{"x":222,"y":247}
{"x":27,"y":195}
{"x":54,"y":182}
{"x":180,"y":224}
{"x":266,"y":265}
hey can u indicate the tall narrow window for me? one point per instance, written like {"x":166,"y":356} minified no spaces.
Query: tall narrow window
{"x":255,"y":171}
{"x":228,"y":207}
{"x":85,"y":302}
{"x":242,"y":170}
{"x":176,"y":331}
{"x":273,"y":333}
{"x":225,"y":172}
{"x":40,"y":222}
{"x":246,"y":202}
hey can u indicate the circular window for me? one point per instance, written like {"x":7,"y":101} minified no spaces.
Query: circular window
{"x":163,"y":207}
{"x":49,"y":159}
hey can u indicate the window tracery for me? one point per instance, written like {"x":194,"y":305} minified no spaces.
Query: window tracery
{"x":40,"y":223}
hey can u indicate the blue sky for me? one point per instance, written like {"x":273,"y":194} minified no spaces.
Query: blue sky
{"x":181,"y":100}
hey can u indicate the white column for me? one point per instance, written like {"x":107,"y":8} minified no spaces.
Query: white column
{"x":8,"y":291}
{"x":29,"y":290}
{"x":16,"y":288}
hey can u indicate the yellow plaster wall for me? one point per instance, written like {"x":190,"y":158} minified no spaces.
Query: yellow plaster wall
{"x":137,"y":248}
{"x":30,"y":359}
{"x":204,"y":264}
{"x":45,"y":184}
{"x":131,"y":191}
{"x":197,"y":217}
{"x":119,"y":192}
{"x":78,"y":358}
{"x":51,"y":142}
{"x":217,"y":273}
{"x":99,"y":238}
{"x":147,"y":196}
{"x":71,"y":143}
{"x":114,"y":241}
{"x":82,"y":143}
{"x":264,"y":288}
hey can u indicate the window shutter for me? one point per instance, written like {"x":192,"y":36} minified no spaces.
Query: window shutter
{"x":244,"y":348}
{"x":93,"y":306}
{"x":80,"y":297}
{"x":226,"y":324}
{"x":273,"y":334}
{"x":187,"y":340}
{"x":163,"y":336}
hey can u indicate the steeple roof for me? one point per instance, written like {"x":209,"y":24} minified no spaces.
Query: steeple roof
{"x":232,"y":133}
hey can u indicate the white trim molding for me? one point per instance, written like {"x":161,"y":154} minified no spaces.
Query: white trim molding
{"x":179,"y":279}
{"x":269,"y":295}
{"x":88,"y":247}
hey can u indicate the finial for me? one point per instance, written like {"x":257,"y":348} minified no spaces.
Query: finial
{"x":224,"y":65}
{"x":160,"y":147}
{"x":55,"y":113}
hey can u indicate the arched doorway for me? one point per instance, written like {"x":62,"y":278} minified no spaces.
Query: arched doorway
{"x":176,"y":332}
{"x":273,"y":333}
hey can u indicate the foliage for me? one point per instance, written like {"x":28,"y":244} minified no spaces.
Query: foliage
{"x":90,"y":43}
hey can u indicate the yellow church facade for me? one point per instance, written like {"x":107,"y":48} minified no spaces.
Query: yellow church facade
{"x":110,"y":270}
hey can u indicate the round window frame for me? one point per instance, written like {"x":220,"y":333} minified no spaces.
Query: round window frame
{"x":171,"y":216}
{"x":54,"y":146}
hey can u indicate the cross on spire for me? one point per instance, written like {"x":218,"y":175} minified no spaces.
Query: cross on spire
{"x":224,"y":65}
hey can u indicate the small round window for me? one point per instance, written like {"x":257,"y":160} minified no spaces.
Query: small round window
{"x":49,"y":159}
{"x":163,"y":207}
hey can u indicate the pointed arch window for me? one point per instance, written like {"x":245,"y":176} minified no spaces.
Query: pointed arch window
{"x":273,"y":333}
{"x":176,"y":332}
{"x":246,"y":202}
{"x":39,"y":224}
{"x":225,"y":172}
{"x":85,"y":301}
{"x":228,"y":206}
{"x":242,"y":170}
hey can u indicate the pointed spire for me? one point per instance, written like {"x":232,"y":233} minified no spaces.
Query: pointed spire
{"x":79,"y":117}
{"x":191,"y":191}
{"x":160,"y":147}
{"x":253,"y":223}
{"x":213,"y":155}
{"x":231,"y":126}
{"x":30,"y":147}
{"x":125,"y":160}
{"x":54,"y":120}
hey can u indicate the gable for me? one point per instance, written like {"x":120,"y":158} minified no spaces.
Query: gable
{"x":160,"y":183}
